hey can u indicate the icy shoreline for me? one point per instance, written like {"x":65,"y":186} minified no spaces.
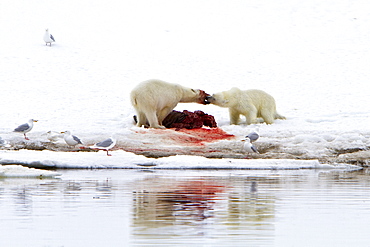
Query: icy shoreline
{"x":205,"y":148}
{"x":125,"y":160}
{"x":211,"y":143}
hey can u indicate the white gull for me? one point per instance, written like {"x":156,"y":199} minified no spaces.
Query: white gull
{"x":48,"y":38}
{"x":70,"y":139}
{"x":53,"y":136}
{"x":249,"y":147}
{"x":105,"y":145}
{"x":24,"y":128}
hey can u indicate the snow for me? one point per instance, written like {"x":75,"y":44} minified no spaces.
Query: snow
{"x":127,"y":160}
{"x":311,"y":56}
{"x":18,"y":171}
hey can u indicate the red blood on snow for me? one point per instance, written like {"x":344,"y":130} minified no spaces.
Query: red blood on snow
{"x":201,"y":136}
{"x":189,"y":129}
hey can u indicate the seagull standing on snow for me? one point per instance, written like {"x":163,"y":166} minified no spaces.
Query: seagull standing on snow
{"x":24,"y":128}
{"x":48,"y":38}
{"x":53,"y":136}
{"x":70,"y":139}
{"x":105,"y":145}
{"x":249,"y":147}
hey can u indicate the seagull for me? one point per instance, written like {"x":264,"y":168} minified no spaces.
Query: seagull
{"x":70,"y":139}
{"x":253,"y":136}
{"x":249,"y":147}
{"x":53,"y":136}
{"x":48,"y":38}
{"x":24,"y":128}
{"x":105,"y":145}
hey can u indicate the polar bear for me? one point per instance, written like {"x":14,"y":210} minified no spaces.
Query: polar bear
{"x":154,"y":99}
{"x":251,"y":103}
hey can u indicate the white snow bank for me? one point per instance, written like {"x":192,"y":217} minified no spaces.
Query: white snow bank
{"x":122,"y":159}
{"x":22,"y":172}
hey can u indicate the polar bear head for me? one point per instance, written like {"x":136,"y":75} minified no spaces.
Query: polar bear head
{"x":217,"y":99}
{"x":203,"y":97}
{"x":195,"y":95}
{"x":225,"y":98}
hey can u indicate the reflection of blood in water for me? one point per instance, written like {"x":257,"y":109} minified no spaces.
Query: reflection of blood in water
{"x":196,"y":196}
{"x":199,"y":190}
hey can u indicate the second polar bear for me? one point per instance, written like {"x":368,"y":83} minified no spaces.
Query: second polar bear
{"x":251,"y":103}
{"x":154,"y":99}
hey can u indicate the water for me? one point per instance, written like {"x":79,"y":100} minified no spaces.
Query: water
{"x":187,"y":208}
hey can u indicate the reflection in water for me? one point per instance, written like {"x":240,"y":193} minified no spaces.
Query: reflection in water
{"x":192,"y":206}
{"x":184,"y":208}
{"x":103,"y":189}
{"x":183,"y":201}
{"x":254,"y":187}
{"x":247,"y":206}
{"x":23,"y":201}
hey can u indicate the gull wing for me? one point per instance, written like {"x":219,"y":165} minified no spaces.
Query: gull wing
{"x":22,"y":127}
{"x":77,"y":139}
{"x":106,"y":143}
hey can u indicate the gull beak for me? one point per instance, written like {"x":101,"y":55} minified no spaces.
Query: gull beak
{"x":35,"y":120}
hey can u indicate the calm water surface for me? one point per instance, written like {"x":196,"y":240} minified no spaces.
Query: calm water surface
{"x":187,"y":208}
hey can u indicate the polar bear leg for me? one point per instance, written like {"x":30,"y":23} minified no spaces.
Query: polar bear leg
{"x":153,"y":120}
{"x":163,"y":114}
{"x":141,"y":119}
{"x":251,"y":116}
{"x":268,"y":115}
{"x":234,"y":116}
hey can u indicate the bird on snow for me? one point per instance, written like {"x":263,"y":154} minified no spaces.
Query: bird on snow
{"x":253,"y":136}
{"x":24,"y":128}
{"x":249,"y":147}
{"x":70,"y":139}
{"x":48,"y":38}
{"x":53,"y":136}
{"x":105,"y":145}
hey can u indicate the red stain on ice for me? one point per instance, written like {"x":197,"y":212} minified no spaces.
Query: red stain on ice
{"x":188,"y":137}
{"x":201,"y":136}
